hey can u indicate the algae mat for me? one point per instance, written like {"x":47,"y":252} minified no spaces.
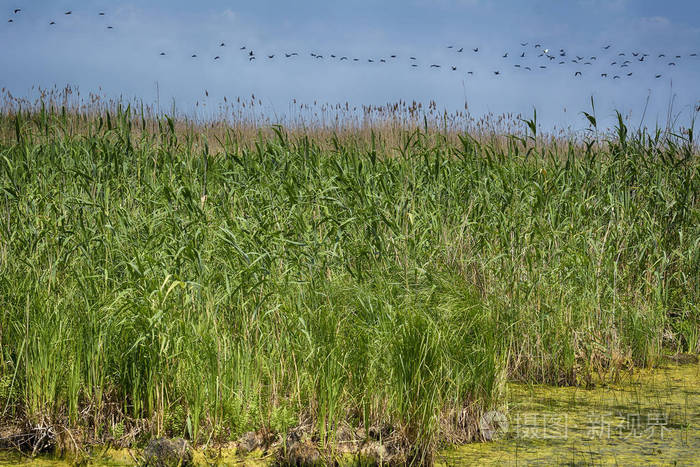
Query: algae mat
{"x":650,"y":417}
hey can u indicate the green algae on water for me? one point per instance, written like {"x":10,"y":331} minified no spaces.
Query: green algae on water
{"x":651,"y":416}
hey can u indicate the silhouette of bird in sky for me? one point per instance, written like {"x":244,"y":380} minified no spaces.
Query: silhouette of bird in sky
{"x":636,"y":65}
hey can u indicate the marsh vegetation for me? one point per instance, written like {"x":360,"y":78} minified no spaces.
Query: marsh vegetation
{"x":327,"y":286}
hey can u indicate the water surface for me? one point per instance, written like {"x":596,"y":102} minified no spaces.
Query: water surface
{"x":651,"y":416}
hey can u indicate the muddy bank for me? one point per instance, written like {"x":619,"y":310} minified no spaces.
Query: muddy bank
{"x":649,"y":416}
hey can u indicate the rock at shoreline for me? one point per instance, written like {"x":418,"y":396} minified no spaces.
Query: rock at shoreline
{"x":249,"y":442}
{"x":164,"y":452}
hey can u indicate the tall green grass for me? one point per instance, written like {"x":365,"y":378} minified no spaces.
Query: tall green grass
{"x":151,"y":285}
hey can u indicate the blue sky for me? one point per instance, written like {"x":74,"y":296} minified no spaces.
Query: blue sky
{"x":80,"y":50}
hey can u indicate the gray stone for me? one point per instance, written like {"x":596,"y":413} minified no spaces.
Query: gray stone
{"x":164,"y":452}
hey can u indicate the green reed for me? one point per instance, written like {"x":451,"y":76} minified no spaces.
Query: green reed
{"x":150,"y":282}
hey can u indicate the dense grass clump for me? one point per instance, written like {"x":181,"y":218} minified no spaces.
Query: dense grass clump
{"x":153,"y":285}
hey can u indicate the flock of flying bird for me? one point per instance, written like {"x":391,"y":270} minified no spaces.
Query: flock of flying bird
{"x":620,"y":66}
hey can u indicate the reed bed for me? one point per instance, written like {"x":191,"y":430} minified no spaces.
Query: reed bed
{"x":162,"y":276}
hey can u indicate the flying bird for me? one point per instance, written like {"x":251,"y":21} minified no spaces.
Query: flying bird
{"x":222,"y":45}
{"x":461,"y":49}
{"x":476,"y":49}
{"x":434,"y":66}
{"x":505,"y":55}
{"x":68,"y":12}
{"x":496,"y":73}
{"x":454,"y":68}
{"x":217,"y":57}
{"x":658,"y":76}
{"x":52,"y":23}
{"x":17,"y":10}
{"x":162,"y":53}
{"x":578,"y":73}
